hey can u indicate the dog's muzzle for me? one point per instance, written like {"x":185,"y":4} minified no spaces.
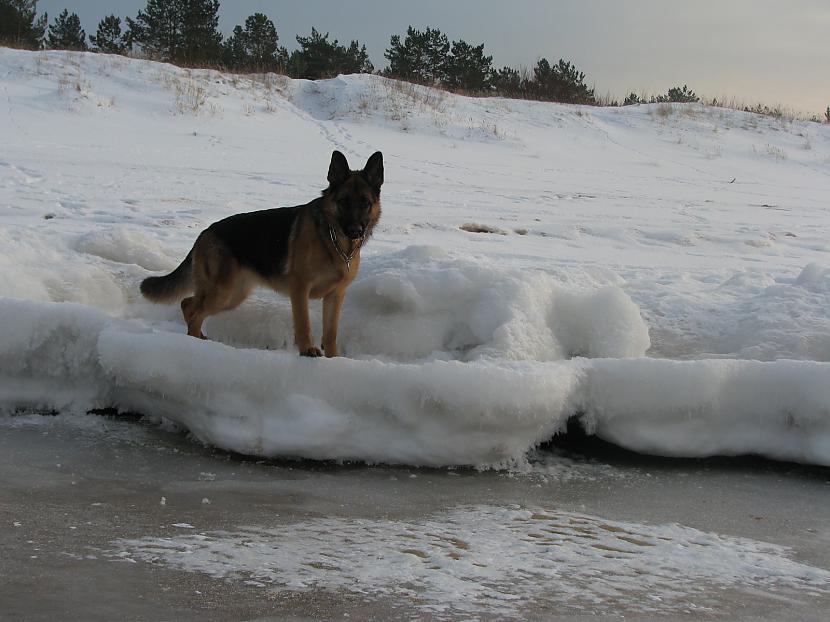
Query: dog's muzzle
{"x":354,"y":232}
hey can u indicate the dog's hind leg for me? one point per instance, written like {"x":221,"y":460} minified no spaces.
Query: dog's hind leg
{"x":220,"y":283}
{"x":192,"y":310}
{"x":198,"y":308}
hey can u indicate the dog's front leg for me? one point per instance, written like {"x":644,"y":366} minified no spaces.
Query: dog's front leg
{"x":302,"y":325}
{"x":331,"y":317}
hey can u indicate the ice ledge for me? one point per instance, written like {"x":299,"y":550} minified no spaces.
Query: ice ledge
{"x":488,"y":412}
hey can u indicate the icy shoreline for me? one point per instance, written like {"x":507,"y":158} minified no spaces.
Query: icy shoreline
{"x":483,"y":413}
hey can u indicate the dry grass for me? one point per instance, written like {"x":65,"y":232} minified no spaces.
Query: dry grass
{"x":771,"y":151}
{"x":776,"y":111}
{"x":664,"y":111}
{"x":404,"y":98}
{"x":190,"y":96}
{"x":606,"y":100}
{"x":72,"y":82}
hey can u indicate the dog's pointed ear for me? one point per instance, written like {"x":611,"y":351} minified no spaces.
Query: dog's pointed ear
{"x":373,"y":171}
{"x":338,"y":169}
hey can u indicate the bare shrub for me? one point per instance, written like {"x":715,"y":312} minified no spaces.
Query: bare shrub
{"x":190,"y":96}
{"x":664,"y":111}
{"x":770,"y":151}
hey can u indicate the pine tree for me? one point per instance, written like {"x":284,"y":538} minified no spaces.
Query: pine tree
{"x":510,"y":82}
{"x":157,"y":29}
{"x":352,"y":59}
{"x":66,"y":33}
{"x":422,"y":57}
{"x":317,"y":57}
{"x":235,"y":51}
{"x":401,"y":57}
{"x":201,"y":39}
{"x":184,"y":31}
{"x":256,"y":47}
{"x":632,"y":99}
{"x":560,"y":83}
{"x":437,"y":49}
{"x":314,"y":58}
{"x":827,"y":114}
{"x":18,"y":25}
{"x":682,"y":95}
{"x":108,"y":38}
{"x":468,"y":68}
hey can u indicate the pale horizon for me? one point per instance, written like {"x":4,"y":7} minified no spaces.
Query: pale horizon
{"x":748,"y":50}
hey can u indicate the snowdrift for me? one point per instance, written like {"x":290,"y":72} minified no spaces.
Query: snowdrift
{"x":421,"y":303}
{"x":486,"y":412}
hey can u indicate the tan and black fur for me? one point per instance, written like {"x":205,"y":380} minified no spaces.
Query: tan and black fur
{"x":307,"y":251}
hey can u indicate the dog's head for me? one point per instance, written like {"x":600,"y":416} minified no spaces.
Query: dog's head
{"x":354,"y":196}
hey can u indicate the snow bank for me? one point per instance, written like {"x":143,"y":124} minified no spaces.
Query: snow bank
{"x":436,"y":412}
{"x":37,"y":268}
{"x":758,"y":317}
{"x":275,"y":404}
{"x":128,"y":246}
{"x":421,"y":303}
{"x":778,"y":409}
{"x":48,"y":356}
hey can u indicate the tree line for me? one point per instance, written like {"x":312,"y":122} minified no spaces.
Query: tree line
{"x":186,"y":32}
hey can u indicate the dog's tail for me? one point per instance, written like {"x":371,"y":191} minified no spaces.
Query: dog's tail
{"x":171,"y":287}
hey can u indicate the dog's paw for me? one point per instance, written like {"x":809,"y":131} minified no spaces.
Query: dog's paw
{"x":313,"y":352}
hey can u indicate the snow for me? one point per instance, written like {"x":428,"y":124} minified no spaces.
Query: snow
{"x":661,"y":272}
{"x":485,"y":559}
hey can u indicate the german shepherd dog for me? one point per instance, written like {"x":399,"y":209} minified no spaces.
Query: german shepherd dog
{"x":307,"y":251}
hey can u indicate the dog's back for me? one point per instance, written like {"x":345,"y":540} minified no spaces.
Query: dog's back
{"x":259,"y":240}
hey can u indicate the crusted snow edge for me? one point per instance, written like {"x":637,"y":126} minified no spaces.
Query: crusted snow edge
{"x":487,"y":412}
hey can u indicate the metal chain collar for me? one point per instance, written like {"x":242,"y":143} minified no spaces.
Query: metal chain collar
{"x":347,"y":258}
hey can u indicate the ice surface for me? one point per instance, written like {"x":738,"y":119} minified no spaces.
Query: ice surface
{"x":632,"y":282}
{"x":484,"y":559}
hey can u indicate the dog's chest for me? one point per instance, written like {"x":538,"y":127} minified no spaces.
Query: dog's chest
{"x":334,"y":276}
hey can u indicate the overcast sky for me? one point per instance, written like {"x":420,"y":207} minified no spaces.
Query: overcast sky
{"x":772,"y":51}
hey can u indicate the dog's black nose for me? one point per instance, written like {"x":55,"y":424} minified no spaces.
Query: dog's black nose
{"x":353,"y":232}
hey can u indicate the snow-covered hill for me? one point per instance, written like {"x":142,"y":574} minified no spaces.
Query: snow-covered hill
{"x":646,"y":268}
